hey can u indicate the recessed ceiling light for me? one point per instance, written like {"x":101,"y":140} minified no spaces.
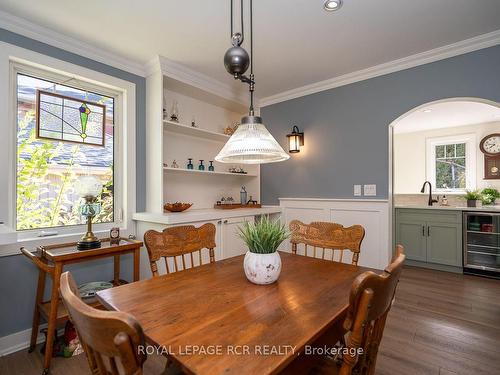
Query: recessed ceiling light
{"x":428,"y":110}
{"x":331,"y":5}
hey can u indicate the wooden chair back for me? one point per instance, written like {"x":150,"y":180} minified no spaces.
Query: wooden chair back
{"x":180,"y":242}
{"x":370,"y":300}
{"x":110,"y":339}
{"x":327,"y":236}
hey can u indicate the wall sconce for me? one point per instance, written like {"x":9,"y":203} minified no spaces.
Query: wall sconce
{"x":295,"y":140}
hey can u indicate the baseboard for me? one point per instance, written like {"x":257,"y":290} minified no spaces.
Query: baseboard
{"x":18,"y":341}
{"x":433,"y":266}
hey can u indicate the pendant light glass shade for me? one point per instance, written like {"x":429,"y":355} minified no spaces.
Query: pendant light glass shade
{"x":251,"y":143}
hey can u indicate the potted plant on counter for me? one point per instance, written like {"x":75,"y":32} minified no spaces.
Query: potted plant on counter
{"x":490,"y":196}
{"x":262,"y":262}
{"x":472,"y":197}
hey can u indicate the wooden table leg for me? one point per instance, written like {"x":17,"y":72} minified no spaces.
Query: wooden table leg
{"x":52,"y":323}
{"x":137,"y":260}
{"x":116,"y":273}
{"x":36,"y":311}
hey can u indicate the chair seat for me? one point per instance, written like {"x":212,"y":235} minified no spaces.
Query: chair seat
{"x":312,"y":365}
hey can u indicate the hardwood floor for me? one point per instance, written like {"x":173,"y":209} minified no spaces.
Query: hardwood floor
{"x":440,"y":324}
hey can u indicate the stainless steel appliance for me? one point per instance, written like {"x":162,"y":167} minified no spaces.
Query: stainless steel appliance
{"x":482,"y":243}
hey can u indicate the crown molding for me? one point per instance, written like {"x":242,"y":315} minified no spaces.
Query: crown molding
{"x":196,"y":79}
{"x":451,"y":50}
{"x":45,"y":35}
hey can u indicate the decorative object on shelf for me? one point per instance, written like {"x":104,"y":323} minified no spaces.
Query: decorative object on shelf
{"x":83,"y":121}
{"x":252,"y":202}
{"x":193,"y":122}
{"x":262,"y":263}
{"x":473,"y":198}
{"x":88,"y":188}
{"x":229,"y":130}
{"x":165,"y":115}
{"x":165,"y":165}
{"x":243,"y":195}
{"x":201,"y":167}
{"x":174,"y":115}
{"x":490,"y":147}
{"x":237,"y":170}
{"x":489,"y":196}
{"x":174,"y":164}
{"x":114,"y":236}
{"x":295,"y":140}
{"x":211,"y":167}
{"x":177,"y":206}
{"x":190,"y":163}
{"x":251,"y":143}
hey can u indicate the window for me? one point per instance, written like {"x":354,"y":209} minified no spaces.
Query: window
{"x":451,"y":163}
{"x":47,"y":170}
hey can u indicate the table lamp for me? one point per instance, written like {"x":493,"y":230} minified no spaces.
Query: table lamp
{"x":88,"y":188}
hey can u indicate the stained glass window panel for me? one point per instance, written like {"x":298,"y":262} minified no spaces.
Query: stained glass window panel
{"x":69,"y":119}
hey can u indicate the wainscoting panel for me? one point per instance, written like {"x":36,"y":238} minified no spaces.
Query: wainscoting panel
{"x":373,"y":215}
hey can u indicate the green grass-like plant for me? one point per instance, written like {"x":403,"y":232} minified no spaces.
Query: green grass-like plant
{"x":472,"y":195}
{"x":489,"y":195}
{"x":264,"y":236}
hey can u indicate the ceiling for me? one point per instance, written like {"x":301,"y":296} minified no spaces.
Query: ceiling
{"x":296,"y":42}
{"x":447,"y":115}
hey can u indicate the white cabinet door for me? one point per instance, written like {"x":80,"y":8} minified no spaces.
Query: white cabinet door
{"x":232,"y":244}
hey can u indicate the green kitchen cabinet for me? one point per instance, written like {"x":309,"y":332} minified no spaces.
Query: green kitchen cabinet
{"x":430,"y":236}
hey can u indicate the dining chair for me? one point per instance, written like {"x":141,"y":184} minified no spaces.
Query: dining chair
{"x":180,"y":242}
{"x":110,"y":339}
{"x":327,"y":236}
{"x":370,"y":301}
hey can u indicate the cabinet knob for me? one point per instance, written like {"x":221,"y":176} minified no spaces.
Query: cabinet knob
{"x":219,"y":222}
{"x":225,"y":221}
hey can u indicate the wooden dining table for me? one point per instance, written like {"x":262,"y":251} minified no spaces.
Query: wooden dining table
{"x":212,"y":320}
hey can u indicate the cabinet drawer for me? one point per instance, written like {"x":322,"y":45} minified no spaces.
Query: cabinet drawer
{"x":434,"y":215}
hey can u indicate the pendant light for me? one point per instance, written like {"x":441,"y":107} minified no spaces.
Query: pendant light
{"x":251,"y":143}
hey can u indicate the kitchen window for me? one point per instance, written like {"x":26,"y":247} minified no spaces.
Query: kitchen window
{"x":451,"y":164}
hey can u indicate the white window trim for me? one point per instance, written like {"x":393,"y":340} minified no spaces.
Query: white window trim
{"x":470,"y":160}
{"x":11,"y":58}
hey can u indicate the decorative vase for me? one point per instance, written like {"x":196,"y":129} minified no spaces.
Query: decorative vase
{"x":262,"y":269}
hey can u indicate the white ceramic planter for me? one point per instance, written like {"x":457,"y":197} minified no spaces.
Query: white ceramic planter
{"x":262,"y":268}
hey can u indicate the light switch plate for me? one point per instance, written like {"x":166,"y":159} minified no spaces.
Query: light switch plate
{"x":357,"y":190}
{"x":370,"y":190}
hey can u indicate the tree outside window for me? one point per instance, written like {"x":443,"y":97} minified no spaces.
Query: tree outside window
{"x":47,"y":170}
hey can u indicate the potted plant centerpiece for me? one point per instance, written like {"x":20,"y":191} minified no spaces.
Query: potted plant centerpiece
{"x":472,"y":197}
{"x":262,"y":262}
{"x":490,"y":196}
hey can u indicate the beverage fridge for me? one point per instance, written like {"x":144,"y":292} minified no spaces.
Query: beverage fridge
{"x":482,"y":243}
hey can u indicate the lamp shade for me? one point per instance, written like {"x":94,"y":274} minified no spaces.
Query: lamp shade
{"x":88,"y":186}
{"x":251,"y":143}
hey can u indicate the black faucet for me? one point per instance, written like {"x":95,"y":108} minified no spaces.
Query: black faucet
{"x":431,"y":200}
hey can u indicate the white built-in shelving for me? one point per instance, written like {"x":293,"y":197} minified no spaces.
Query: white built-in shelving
{"x":207,"y":172}
{"x":192,"y":131}
{"x":212,"y":106}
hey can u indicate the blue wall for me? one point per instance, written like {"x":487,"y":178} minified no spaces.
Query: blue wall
{"x":346,"y":128}
{"x":18,"y":277}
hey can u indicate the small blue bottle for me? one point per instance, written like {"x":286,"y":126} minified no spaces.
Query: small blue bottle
{"x":190,"y":164}
{"x":211,"y":167}
{"x":201,"y":167}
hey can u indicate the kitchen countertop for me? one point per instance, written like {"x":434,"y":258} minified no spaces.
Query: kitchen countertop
{"x":192,"y":215}
{"x":453,"y":208}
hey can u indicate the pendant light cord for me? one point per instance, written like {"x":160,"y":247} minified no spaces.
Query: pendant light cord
{"x":242,"y":33}
{"x":252,"y":81}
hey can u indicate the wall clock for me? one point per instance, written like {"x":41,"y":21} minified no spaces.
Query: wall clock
{"x":490,"y":147}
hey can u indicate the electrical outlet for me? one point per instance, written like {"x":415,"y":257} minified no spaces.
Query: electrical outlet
{"x":357,"y":190}
{"x":370,"y":190}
